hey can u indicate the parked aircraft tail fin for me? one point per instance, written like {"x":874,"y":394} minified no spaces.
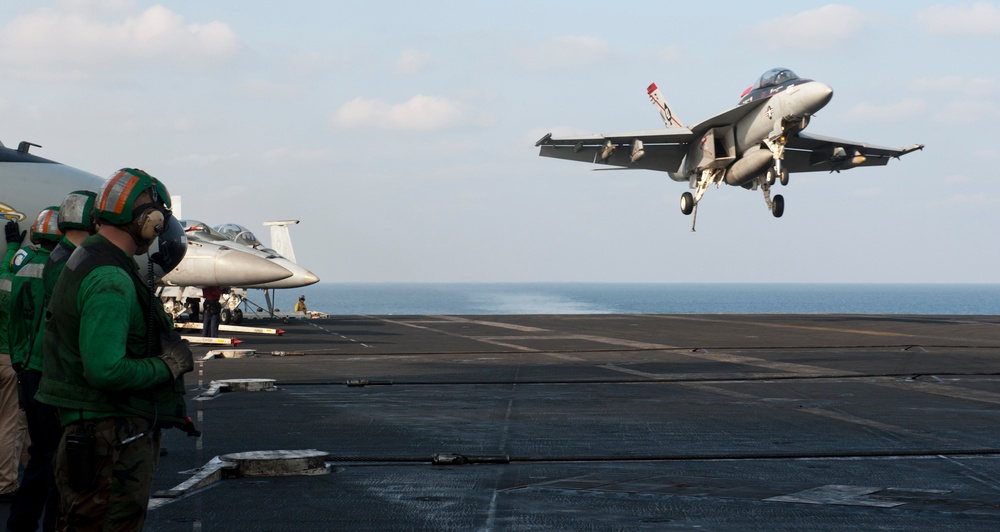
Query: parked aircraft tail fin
{"x":669,"y":118}
{"x":281,"y":241}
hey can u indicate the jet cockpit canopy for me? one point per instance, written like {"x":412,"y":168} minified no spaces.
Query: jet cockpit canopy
{"x":775,"y":76}
{"x":241,"y":235}
{"x":202,"y":230}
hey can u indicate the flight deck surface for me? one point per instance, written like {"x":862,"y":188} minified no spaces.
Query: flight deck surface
{"x":602,"y":422}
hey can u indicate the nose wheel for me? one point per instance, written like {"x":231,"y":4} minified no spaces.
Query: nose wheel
{"x":773,"y":175}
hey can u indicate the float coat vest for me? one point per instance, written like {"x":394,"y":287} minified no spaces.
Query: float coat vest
{"x":63,"y":383}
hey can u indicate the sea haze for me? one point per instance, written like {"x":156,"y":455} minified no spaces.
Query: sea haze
{"x":642,"y":298}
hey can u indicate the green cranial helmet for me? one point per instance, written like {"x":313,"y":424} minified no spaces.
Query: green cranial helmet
{"x":116,"y":200}
{"x":46,"y":228}
{"x":77,"y":211}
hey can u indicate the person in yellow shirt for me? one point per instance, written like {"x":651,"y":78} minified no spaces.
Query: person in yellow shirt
{"x":300,"y":306}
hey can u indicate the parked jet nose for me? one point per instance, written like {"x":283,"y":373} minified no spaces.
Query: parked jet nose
{"x":209,"y":264}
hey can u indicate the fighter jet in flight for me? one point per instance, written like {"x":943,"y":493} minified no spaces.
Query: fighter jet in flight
{"x":753,"y":145}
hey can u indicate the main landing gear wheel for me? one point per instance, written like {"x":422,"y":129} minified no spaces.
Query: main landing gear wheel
{"x":687,"y":203}
{"x":778,"y":206}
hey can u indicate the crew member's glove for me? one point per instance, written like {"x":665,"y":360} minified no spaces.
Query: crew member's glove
{"x":13,"y":232}
{"x":176,"y":353}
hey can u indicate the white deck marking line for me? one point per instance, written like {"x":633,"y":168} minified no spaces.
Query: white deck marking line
{"x":941,"y":389}
{"x":839,"y":416}
{"x":505,"y":341}
{"x":780,"y":325}
{"x":719,"y":391}
{"x":501,"y":325}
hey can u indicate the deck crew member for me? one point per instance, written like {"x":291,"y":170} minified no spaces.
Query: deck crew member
{"x":12,"y":422}
{"x":113,"y":363}
{"x":38,"y":496}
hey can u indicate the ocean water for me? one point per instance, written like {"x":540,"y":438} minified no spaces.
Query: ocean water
{"x":642,"y":298}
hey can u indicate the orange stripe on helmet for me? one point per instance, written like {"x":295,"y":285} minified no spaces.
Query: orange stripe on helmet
{"x":49,"y":215}
{"x":125,"y":190}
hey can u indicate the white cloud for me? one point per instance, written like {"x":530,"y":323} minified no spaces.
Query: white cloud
{"x":980,"y":18}
{"x":413,"y":62}
{"x":203,"y":160}
{"x":968,"y":111}
{"x":289,"y":156}
{"x":901,"y":110}
{"x":958,"y":85}
{"x":179,"y":124}
{"x":420,"y":113}
{"x":822,"y":27}
{"x":70,"y":41}
{"x":564,"y":52}
{"x":957,"y":180}
{"x":274,"y":156}
{"x":977,"y":199}
{"x":97,"y":6}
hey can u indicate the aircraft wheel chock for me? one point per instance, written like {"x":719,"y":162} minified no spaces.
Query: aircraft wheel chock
{"x":687,"y":203}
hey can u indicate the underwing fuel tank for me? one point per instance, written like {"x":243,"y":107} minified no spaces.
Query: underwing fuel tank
{"x":749,"y":166}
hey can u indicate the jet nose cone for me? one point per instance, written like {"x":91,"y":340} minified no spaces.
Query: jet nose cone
{"x":245,"y":269}
{"x":311,"y":278}
{"x":816,"y":95}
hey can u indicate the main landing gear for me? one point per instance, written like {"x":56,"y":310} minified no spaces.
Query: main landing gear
{"x":689,"y":202}
{"x":776,"y":205}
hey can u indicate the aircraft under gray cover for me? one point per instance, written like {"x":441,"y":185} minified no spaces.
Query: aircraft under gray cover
{"x":753,"y":145}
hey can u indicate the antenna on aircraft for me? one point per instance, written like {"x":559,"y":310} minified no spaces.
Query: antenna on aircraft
{"x":24,"y":146}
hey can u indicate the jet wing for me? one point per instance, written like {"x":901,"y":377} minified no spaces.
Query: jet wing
{"x":815,"y":153}
{"x":663,"y":149}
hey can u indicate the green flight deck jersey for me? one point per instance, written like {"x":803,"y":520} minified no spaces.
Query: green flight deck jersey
{"x":100,"y":357}
{"x":26,"y":295}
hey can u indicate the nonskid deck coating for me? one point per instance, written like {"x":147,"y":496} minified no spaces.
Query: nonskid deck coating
{"x":609,"y":422}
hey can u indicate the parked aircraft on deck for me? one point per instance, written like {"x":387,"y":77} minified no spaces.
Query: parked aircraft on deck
{"x":753,"y":145}
{"x":29,"y":183}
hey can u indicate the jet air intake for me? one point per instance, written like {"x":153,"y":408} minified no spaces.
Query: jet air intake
{"x":751,"y":165}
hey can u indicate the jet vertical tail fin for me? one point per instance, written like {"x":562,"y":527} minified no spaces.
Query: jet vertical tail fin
{"x":281,"y":241}
{"x":669,"y":119}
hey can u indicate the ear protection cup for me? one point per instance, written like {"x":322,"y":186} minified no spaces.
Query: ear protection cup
{"x":150,"y":223}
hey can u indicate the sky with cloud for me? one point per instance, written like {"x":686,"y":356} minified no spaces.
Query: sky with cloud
{"x":402,"y":134}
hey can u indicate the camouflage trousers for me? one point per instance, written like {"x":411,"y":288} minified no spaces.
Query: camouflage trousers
{"x":115,"y":494}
